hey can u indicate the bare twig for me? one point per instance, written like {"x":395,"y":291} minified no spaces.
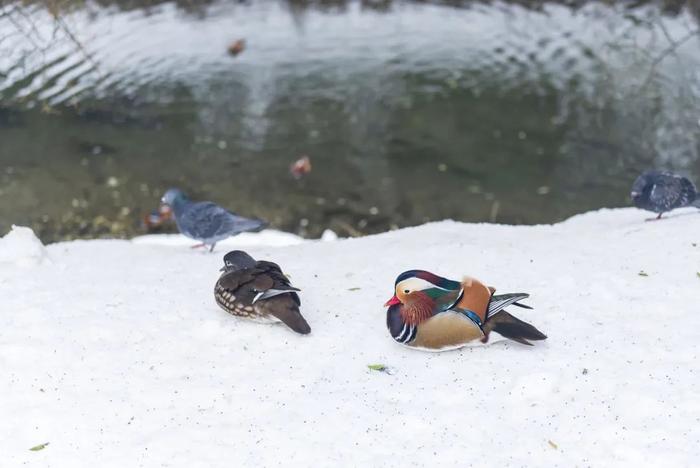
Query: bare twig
{"x":666,"y":52}
{"x":66,"y":30}
{"x":20,"y":28}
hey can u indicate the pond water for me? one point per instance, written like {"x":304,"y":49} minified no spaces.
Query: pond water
{"x":513,"y":112}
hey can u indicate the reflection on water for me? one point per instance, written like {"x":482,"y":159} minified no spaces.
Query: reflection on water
{"x":409,"y":111}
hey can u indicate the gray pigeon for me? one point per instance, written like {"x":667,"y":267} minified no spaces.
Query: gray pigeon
{"x":663,"y":191}
{"x":206,"y":221}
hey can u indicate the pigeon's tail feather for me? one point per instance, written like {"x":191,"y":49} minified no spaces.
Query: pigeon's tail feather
{"x":696,"y":202}
{"x":260,"y":225}
{"x":241,"y":224}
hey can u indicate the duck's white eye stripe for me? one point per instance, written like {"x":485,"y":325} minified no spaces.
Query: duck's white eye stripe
{"x":416,"y":284}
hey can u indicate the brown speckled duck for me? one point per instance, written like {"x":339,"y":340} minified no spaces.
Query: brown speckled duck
{"x":436,"y":314}
{"x":258,"y":290}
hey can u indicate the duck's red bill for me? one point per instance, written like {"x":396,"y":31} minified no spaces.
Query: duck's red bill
{"x":393,"y":301}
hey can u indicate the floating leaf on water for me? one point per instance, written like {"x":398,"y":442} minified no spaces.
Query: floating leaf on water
{"x":300,"y":167}
{"x":236,"y":47}
{"x":643,"y":273}
{"x":36,"y":448}
{"x":552,"y":444}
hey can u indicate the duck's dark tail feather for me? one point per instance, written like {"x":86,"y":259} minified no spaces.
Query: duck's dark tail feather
{"x":286,"y":309}
{"x":513,"y":328}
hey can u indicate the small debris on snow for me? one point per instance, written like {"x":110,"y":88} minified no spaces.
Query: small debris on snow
{"x":380,"y":368}
{"x":552,"y":444}
{"x":36,"y":448}
{"x":643,"y":273}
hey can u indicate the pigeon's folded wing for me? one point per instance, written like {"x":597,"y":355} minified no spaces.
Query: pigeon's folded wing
{"x":666,"y":193}
{"x":207,"y":220}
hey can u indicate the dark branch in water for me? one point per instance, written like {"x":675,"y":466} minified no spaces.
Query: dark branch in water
{"x":53,"y":8}
{"x":675,"y":44}
{"x":11,"y":17}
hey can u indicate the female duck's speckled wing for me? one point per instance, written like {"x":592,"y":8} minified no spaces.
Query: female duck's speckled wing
{"x":261,"y":292}
{"x":207,"y":221}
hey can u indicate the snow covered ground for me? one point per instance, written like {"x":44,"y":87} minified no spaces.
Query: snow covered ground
{"x":115,"y":353}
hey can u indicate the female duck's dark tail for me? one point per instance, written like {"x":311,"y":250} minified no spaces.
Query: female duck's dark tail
{"x":513,"y":328}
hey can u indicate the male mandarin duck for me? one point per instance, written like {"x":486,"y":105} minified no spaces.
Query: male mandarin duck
{"x":434,"y":313}
{"x":258,"y":290}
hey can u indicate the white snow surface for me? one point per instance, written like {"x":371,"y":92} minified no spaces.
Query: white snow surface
{"x":268,"y":238}
{"x":115,"y":353}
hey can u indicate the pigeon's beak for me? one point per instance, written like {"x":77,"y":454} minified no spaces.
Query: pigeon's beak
{"x":393,"y":301}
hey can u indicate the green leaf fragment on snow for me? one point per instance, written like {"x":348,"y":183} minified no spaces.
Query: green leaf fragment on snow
{"x":643,"y":273}
{"x":377,"y":367}
{"x":36,"y":448}
{"x":354,"y":289}
{"x":698,"y":273}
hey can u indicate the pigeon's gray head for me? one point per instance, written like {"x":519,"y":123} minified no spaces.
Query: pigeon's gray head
{"x":237,"y":260}
{"x":173,"y":196}
{"x":643,"y":185}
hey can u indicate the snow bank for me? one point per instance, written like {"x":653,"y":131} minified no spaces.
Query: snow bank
{"x":116,"y":354}
{"x":20,"y":247}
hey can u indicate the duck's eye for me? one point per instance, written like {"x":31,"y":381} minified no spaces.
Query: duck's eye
{"x":406,"y":291}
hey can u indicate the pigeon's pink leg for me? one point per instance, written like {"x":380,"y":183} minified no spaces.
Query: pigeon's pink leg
{"x":654,"y":219}
{"x":198,"y":246}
